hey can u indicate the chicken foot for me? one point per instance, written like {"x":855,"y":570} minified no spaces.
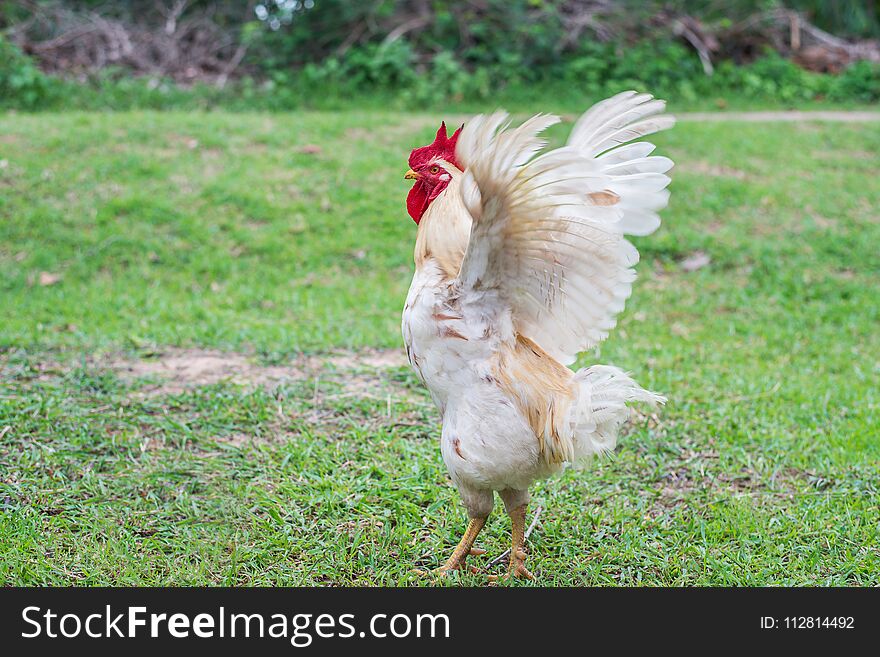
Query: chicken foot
{"x":464,"y":547}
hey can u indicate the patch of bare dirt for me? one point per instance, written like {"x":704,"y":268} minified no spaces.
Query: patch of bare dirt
{"x":177,"y":370}
{"x":698,"y":471}
{"x":847,"y":155}
{"x":696,"y":260}
{"x":183,"y":368}
{"x":378,"y":358}
{"x":365,"y":525}
{"x":43,"y":371}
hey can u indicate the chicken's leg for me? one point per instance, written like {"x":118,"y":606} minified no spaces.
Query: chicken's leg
{"x":518,"y":544}
{"x":516,"y":502}
{"x":464,"y":547}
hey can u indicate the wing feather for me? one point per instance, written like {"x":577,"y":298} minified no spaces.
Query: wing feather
{"x":548,"y":227}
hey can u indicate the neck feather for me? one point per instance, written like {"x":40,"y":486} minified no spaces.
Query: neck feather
{"x":444,"y":230}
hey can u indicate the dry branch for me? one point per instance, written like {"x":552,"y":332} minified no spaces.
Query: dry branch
{"x":178,"y":41}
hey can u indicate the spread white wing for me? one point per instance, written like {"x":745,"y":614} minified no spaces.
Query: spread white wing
{"x":548,"y":230}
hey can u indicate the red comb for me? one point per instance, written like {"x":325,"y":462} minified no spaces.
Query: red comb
{"x":442,"y":146}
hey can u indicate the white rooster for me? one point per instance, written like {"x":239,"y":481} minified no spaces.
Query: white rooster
{"x":521,"y":263}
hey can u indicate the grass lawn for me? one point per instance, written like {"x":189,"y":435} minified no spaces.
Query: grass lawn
{"x":200,"y":379}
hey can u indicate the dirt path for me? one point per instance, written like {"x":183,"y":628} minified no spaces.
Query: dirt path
{"x":783,"y":116}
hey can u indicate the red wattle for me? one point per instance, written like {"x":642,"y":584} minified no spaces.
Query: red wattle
{"x":417,"y":201}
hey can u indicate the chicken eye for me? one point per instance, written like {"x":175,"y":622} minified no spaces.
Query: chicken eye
{"x":435,"y":169}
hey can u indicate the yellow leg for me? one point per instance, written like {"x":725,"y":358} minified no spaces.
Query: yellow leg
{"x":464,"y":547}
{"x":517,"y":548}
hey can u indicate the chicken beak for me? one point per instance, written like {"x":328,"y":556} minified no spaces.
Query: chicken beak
{"x":410,"y":175}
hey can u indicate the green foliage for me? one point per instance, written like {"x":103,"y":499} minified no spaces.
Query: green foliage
{"x":860,"y":82}
{"x":468,"y":54}
{"x":476,"y":52}
{"x":323,"y":53}
{"x":495,"y":32}
{"x":22,"y":84}
{"x":665,"y":68}
{"x":378,"y":75}
{"x":771,"y":76}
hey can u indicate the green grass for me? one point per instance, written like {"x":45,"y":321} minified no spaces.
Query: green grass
{"x":162,"y":230}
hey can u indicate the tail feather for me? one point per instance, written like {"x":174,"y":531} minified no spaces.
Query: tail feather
{"x":601,"y":408}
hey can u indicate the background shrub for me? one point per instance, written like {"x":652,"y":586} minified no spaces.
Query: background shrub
{"x":283,"y":54}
